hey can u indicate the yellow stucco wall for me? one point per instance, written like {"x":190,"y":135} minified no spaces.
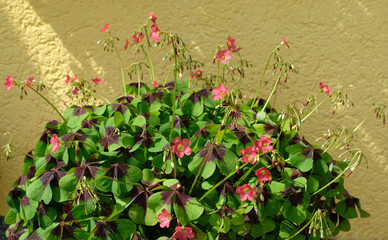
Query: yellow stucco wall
{"x":338,"y":42}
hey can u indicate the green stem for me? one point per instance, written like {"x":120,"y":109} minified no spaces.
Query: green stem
{"x":138,"y":82}
{"x":336,"y":178}
{"x":273,"y":91}
{"x":175,"y":92}
{"x":246,"y":174}
{"x":220,"y":182}
{"x":218,"y":72}
{"x":359,"y":125}
{"x":223,"y":74}
{"x":168,"y":75}
{"x":207,"y":154}
{"x":21,"y":151}
{"x":150,"y":56}
{"x":300,"y":230}
{"x":49,"y":103}
{"x":59,"y":97}
{"x":121,"y":68}
{"x":262,"y":79}
{"x":308,"y":115}
{"x":102,"y":97}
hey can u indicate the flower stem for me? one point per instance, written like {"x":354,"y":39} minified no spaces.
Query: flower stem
{"x":220,"y":182}
{"x":49,"y":88}
{"x":273,"y":91}
{"x":150,"y":56}
{"x":208,"y":153}
{"x":311,"y":112}
{"x":262,"y":79}
{"x":340,"y":175}
{"x":246,"y":174}
{"x":175,"y":90}
{"x":20,"y":151}
{"x":121,"y":68}
{"x":300,"y":230}
{"x":49,"y":103}
{"x":138,"y":82}
{"x":218,"y":72}
{"x":102,"y":97}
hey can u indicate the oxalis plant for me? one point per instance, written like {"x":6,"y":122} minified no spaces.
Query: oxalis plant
{"x":164,"y":161}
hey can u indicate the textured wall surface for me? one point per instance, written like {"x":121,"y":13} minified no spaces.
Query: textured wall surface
{"x":339,"y":42}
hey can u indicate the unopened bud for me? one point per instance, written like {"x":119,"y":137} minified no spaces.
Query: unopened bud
{"x":333,"y":113}
{"x":307,"y":102}
{"x":285,"y":80}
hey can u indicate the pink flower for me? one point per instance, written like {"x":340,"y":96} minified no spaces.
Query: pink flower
{"x":138,"y":37}
{"x":182,"y":233}
{"x":105,"y":28}
{"x":324,"y":88}
{"x":155,"y":33}
{"x":70,"y":80}
{"x":75,"y":91}
{"x":126,"y":44}
{"x":8,"y":82}
{"x":231,"y":44}
{"x":152,"y":17}
{"x":197,"y":74}
{"x":263,"y":145}
{"x":285,"y":42}
{"x":181,"y":147}
{"x":55,"y":142}
{"x":29,"y":82}
{"x":223,"y":56}
{"x":154,"y":84}
{"x":165,"y":218}
{"x":97,"y":81}
{"x":248,"y":155}
{"x":219,"y":93}
{"x":245,"y":192}
{"x":263,"y":175}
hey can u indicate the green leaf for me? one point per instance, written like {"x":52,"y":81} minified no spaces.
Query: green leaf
{"x":277,"y":187}
{"x":198,"y":108}
{"x":258,"y":230}
{"x":139,"y":121}
{"x":118,"y":118}
{"x":300,"y":161}
{"x":258,"y":129}
{"x":159,"y":143}
{"x":69,"y":181}
{"x":263,"y":117}
{"x":286,"y":229}
{"x":229,"y":164}
{"x":300,"y":182}
{"x":312,"y":184}
{"x":294,"y":148}
{"x":237,"y":219}
{"x":344,"y":211}
{"x":10,"y":218}
{"x":294,"y":214}
{"x":320,"y":167}
{"x":35,"y":190}
{"x":47,"y":219}
{"x":29,"y":210}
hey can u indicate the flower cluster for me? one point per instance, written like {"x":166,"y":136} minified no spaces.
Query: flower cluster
{"x":164,"y":161}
